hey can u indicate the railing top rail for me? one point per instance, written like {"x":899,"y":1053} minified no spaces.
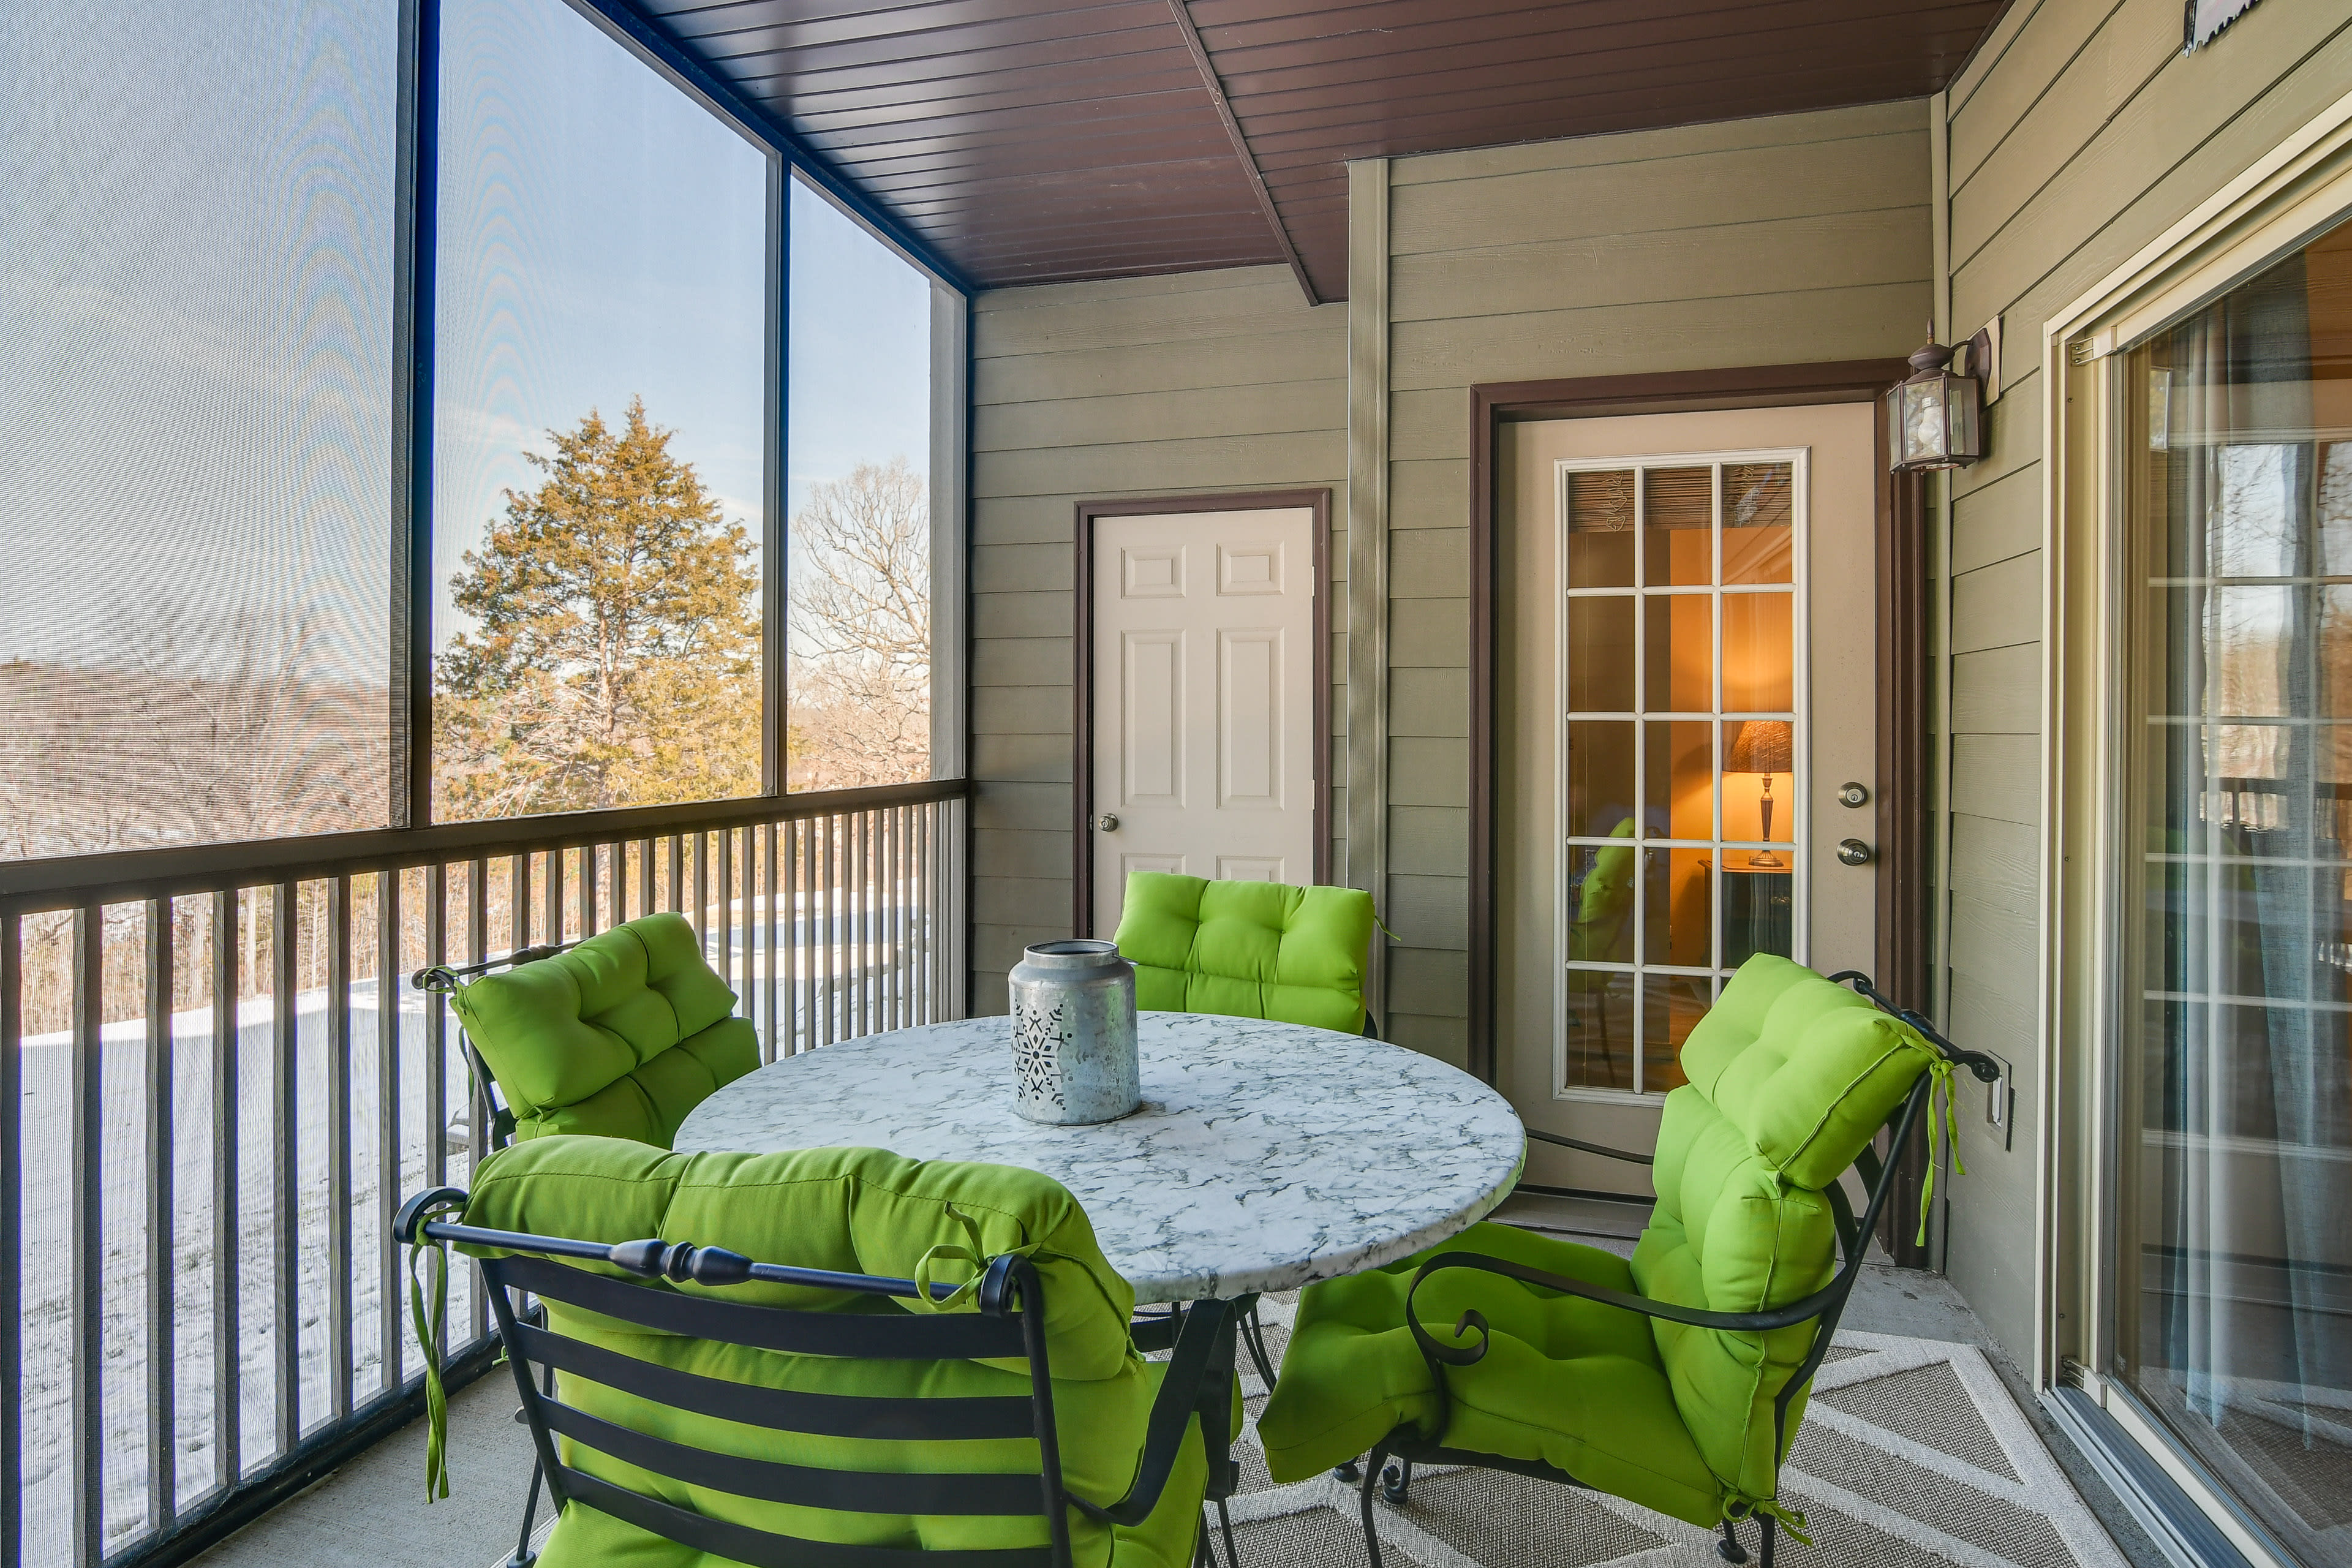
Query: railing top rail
{"x":66,"y":880}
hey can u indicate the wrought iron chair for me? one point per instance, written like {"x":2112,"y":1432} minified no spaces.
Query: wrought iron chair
{"x":1393,"y":1454}
{"x":1010,"y":1323}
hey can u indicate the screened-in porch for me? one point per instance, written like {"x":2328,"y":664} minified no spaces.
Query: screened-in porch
{"x":1415,"y":727}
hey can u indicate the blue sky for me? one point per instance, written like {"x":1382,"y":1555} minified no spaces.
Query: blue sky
{"x":196,"y":299}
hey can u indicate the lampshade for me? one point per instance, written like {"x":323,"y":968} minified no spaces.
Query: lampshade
{"x":1761,"y":747}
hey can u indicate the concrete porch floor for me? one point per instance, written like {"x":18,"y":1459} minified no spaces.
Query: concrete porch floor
{"x":372,"y":1510}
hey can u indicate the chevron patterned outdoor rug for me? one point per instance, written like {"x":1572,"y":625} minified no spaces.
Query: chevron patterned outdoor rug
{"x":1912,"y":1454}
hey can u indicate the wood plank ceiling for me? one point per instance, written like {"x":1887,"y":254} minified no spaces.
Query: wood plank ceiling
{"x":1040,"y":141}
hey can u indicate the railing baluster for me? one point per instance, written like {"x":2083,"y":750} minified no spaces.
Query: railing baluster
{"x":228,"y":1395}
{"x":286,"y":1175}
{"x":866,"y":976}
{"x":388,"y":988}
{"x":748,"y":848}
{"x":162,"y":1365}
{"x":436,"y":1037}
{"x":926,"y":930}
{"x":11,"y":1241}
{"x":725,"y":965}
{"x":436,"y":1060}
{"x":478,"y":1103}
{"x":517,"y":903}
{"x":588,"y":926}
{"x":701,"y":915}
{"x":775,"y":912}
{"x":900,"y":952}
{"x":89,"y":1236}
{"x":836,"y":927}
{"x":555,"y":857}
{"x":645,"y":876}
{"x":338,"y":1145}
{"x":677,"y":874}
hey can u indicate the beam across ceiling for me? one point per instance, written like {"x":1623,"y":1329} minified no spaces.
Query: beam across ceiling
{"x":1183,"y":12}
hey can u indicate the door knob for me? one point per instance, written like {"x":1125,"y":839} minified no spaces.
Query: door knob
{"x":1853,"y":852}
{"x":1108,"y":822}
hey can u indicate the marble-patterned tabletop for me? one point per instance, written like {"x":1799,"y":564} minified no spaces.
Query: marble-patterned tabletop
{"x":1265,"y":1156}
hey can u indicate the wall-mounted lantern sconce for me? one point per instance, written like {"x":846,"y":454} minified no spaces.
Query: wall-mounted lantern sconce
{"x":1937,"y":417}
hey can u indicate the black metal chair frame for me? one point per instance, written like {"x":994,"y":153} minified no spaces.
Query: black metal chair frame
{"x":1405,"y":1447}
{"x":1009,"y":1323}
{"x":441,"y":980}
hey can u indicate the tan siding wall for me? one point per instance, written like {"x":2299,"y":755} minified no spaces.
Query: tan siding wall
{"x":2076,"y":136}
{"x":1176,"y":386}
{"x":1798,"y":238}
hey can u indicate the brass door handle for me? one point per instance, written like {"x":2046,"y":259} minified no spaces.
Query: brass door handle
{"x":1108,"y":822}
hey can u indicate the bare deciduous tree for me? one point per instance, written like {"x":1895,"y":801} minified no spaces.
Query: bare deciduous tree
{"x":860,"y":682}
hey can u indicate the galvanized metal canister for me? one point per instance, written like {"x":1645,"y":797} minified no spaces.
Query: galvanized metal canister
{"x":1074,"y":1033}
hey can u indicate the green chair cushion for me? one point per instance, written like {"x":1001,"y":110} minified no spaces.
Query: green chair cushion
{"x":619,"y":1037}
{"x":1808,"y":1072}
{"x":864,"y":1211}
{"x":1250,"y":950}
{"x":1790,"y":1077}
{"x":1568,"y":1382}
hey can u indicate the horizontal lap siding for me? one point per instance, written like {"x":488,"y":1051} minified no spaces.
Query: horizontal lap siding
{"x":2077,"y":135}
{"x":1197,"y":383}
{"x":1798,"y":238}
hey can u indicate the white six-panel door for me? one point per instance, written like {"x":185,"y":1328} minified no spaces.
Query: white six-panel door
{"x":1204,"y":698}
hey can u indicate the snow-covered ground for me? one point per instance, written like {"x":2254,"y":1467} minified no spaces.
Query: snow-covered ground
{"x":48,"y":1206}
{"x":47,"y":1274}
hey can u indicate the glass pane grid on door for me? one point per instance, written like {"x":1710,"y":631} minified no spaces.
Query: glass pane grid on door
{"x":1678,"y":633}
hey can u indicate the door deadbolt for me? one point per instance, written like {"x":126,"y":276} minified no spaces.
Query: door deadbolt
{"x":1853,"y":852}
{"x":1108,"y":822}
{"x":1852,"y":793}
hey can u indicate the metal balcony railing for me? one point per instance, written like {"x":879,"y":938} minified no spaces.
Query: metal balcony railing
{"x":216,"y":1084}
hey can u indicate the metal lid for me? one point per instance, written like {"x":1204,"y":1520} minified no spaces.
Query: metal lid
{"x":1074,"y":954}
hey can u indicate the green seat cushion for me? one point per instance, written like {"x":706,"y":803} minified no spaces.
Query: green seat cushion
{"x":621,"y":1037}
{"x":1250,"y":950}
{"x":1568,"y":1382}
{"x":863,"y":1211}
{"x":1790,"y":1077}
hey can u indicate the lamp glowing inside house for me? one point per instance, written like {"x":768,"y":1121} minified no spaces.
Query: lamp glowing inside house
{"x":1761,"y":747}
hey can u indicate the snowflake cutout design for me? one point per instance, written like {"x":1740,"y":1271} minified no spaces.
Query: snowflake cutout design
{"x":1036,"y":1053}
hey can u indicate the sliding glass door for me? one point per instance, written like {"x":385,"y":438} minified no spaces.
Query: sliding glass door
{"x":2233,"y":1323}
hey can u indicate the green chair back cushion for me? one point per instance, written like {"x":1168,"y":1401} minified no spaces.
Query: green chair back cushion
{"x":1789,"y":1078}
{"x":859,"y":1211}
{"x":619,"y":1037}
{"x":1250,"y":950}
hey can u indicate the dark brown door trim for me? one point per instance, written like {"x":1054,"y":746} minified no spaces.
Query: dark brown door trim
{"x":1902,"y":821}
{"x":1082,"y":660}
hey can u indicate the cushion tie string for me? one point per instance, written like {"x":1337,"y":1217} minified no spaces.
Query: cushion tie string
{"x":974,"y":1255}
{"x":1947,"y":1132}
{"x":428,"y":1322}
{"x":1791,"y":1520}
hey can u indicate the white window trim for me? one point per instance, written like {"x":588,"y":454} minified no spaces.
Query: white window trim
{"x":1799,"y":798}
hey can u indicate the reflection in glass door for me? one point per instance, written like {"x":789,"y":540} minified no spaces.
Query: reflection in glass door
{"x":2233,"y":1316}
{"x":1679,"y":679}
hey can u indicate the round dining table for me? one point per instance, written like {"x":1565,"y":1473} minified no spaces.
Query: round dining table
{"x":1265,"y":1156}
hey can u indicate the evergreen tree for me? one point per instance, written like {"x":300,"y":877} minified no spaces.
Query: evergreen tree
{"x":615,"y":659}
